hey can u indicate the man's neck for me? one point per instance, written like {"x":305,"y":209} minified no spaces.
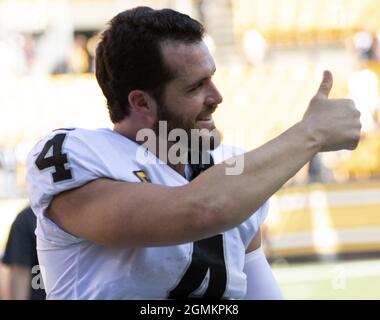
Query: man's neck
{"x":164,"y":155}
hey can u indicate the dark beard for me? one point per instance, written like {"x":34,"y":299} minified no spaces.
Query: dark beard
{"x":175,"y":122}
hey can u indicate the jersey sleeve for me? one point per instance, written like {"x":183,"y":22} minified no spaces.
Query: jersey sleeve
{"x":250,"y":226}
{"x":60,"y":162}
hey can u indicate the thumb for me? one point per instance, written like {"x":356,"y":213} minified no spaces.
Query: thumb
{"x":326,"y":85}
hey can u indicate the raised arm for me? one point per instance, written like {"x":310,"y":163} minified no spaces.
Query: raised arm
{"x":141,"y":214}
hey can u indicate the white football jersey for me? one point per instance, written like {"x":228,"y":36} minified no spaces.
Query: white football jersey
{"x":75,"y":268}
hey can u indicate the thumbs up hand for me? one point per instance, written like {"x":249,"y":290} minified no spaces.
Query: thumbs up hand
{"x":334,"y":124}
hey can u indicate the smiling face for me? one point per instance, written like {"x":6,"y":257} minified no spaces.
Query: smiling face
{"x":189,"y":100}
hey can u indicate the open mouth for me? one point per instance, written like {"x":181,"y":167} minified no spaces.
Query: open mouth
{"x":207,"y":119}
{"x":205,"y":122}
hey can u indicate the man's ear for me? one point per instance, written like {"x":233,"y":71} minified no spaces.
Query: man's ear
{"x":142,"y":103}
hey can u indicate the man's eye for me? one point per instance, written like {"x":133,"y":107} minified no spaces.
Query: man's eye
{"x":197,"y":86}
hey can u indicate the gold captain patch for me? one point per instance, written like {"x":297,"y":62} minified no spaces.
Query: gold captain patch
{"x":142,"y":176}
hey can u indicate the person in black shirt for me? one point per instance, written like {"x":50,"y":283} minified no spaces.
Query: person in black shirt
{"x":20,"y":258}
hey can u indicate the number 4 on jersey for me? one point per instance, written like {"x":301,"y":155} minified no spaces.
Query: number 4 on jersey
{"x":57,"y":160}
{"x":208,"y":256}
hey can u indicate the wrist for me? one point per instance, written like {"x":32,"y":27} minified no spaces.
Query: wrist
{"x":309,"y":136}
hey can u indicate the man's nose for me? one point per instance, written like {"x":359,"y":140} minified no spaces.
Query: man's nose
{"x":214,"y":97}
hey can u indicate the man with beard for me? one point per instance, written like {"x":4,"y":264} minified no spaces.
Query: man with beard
{"x":112,"y":225}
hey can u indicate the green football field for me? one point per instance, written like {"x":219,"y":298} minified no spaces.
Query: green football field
{"x":357,"y":279}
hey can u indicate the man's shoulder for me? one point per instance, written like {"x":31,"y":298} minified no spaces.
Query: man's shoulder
{"x":63,"y":132}
{"x":68,"y":157}
{"x":84,"y":134}
{"x":102,"y":140}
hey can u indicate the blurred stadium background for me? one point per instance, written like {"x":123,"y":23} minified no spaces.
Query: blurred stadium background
{"x":322,"y":235}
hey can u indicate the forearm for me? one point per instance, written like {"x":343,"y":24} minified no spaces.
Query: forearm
{"x":266,"y":169}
